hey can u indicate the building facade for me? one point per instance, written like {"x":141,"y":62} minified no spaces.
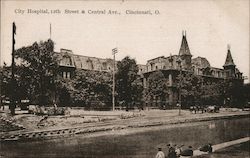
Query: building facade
{"x":69,"y":62}
{"x":174,"y":65}
{"x":171,"y":67}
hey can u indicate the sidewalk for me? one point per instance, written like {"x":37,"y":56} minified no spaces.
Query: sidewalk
{"x":223,"y":145}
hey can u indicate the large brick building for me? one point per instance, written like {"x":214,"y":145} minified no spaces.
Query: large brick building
{"x":69,"y":61}
{"x":170,"y":66}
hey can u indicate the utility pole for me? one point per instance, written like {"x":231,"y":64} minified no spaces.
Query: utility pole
{"x":114,"y":51}
{"x":12,"y":100}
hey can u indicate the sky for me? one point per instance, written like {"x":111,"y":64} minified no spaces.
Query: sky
{"x":210,"y":26}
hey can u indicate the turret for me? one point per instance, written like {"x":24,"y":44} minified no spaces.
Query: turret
{"x":229,"y":65}
{"x":184,"y":53}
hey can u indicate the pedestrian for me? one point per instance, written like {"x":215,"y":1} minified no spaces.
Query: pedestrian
{"x":178,"y":150}
{"x":167,"y":150}
{"x":160,"y":153}
{"x":171,"y":152}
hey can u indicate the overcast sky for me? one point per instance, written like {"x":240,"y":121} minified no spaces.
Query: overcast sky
{"x":210,"y":25}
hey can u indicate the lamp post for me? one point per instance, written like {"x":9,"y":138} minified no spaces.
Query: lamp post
{"x":180,"y":68}
{"x":114,"y":51}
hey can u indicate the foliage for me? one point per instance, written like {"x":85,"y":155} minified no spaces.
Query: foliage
{"x":234,"y":93}
{"x":157,"y":88}
{"x":129,"y":86}
{"x":137,"y":92}
{"x":200,"y":90}
{"x":212,"y":92}
{"x":91,"y":89}
{"x":246,"y":94}
{"x":5,"y":82}
{"x":35,"y":71}
{"x":37,"y":79}
{"x":191,"y":88}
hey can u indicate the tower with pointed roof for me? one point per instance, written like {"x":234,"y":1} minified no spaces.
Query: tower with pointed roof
{"x":184,"y":53}
{"x":229,"y":65}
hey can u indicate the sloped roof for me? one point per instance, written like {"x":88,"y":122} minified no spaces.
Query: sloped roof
{"x":229,"y":60}
{"x":67,"y":58}
{"x":200,"y":62}
{"x":184,"y":50}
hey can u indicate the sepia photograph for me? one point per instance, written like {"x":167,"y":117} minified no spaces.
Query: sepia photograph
{"x":125,"y":79}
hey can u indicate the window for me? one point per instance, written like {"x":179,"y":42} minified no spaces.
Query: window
{"x":151,"y":66}
{"x":68,"y":74}
{"x":64,"y":74}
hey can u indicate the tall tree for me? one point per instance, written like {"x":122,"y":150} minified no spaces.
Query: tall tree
{"x":200,"y":90}
{"x":157,"y":88}
{"x":212,"y":92}
{"x":129,"y":89}
{"x":233,"y":93}
{"x":190,"y":89}
{"x":91,"y":89}
{"x":38,"y":67}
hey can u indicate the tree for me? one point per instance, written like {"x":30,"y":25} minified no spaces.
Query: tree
{"x":200,"y":90}
{"x":5,"y":82}
{"x":246,"y":94}
{"x":157,"y":88}
{"x":233,"y":92}
{"x":137,"y":92}
{"x":91,"y":89}
{"x":213,"y":92}
{"x":190,"y":88}
{"x":129,"y":89}
{"x":37,"y":70}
